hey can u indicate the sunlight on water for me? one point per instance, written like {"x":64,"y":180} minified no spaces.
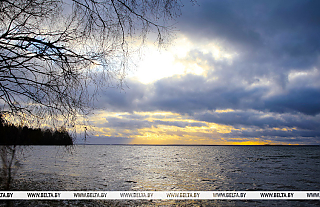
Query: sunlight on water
{"x":214,"y":168}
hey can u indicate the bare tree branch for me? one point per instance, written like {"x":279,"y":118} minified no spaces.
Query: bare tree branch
{"x":56,"y":54}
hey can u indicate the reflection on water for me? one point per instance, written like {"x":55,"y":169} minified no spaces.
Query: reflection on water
{"x":107,"y":167}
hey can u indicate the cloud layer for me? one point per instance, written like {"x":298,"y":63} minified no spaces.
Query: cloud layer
{"x":263,"y":82}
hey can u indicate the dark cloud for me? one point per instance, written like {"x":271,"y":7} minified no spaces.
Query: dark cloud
{"x":261,"y":120}
{"x":253,"y":23}
{"x":191,"y":93}
{"x":271,"y":37}
{"x":225,"y":21}
{"x":121,"y":123}
{"x":304,"y":100}
{"x":122,"y":99}
{"x":181,"y":124}
{"x":135,"y":121}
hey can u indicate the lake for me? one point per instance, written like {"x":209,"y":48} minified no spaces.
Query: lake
{"x":170,"y":168}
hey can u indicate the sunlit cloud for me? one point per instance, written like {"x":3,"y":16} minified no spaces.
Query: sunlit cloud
{"x":163,"y":127}
{"x":173,"y":60}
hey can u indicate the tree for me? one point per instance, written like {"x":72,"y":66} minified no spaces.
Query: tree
{"x":10,"y":164}
{"x":56,"y":54}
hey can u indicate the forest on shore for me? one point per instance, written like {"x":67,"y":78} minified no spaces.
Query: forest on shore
{"x":11,"y":134}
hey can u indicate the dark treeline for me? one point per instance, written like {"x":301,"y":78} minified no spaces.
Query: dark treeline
{"x":22,"y":135}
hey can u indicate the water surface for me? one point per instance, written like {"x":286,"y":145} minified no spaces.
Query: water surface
{"x":186,"y":168}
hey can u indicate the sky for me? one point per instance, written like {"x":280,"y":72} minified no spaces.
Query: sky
{"x":237,"y":72}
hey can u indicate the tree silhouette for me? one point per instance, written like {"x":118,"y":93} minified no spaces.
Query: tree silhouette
{"x":56,"y":54}
{"x":22,"y":135}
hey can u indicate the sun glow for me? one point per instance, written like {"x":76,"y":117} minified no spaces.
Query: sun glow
{"x":163,"y":127}
{"x":177,"y":59}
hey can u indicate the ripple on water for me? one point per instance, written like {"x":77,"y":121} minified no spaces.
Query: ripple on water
{"x":176,"y":168}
